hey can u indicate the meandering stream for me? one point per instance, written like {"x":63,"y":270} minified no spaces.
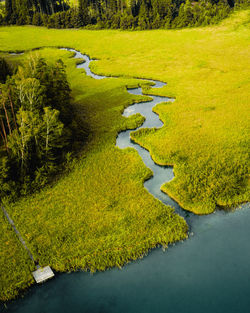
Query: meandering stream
{"x":209,"y":272}
{"x":162,"y":174}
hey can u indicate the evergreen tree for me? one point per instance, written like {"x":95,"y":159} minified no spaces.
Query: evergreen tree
{"x":83,"y":12}
{"x":143,"y":21}
{"x":8,"y":9}
{"x":37,"y":19}
{"x":4,"y":70}
{"x":125,"y":14}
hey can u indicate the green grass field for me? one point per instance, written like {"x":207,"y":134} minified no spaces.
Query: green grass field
{"x":99,"y":215}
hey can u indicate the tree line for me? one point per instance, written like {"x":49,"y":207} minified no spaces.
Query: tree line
{"x":36,"y":121}
{"x":124,"y":14}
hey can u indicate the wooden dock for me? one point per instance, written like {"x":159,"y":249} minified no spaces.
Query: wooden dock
{"x":42,"y":274}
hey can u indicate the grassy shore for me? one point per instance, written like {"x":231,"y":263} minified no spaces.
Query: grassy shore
{"x":100,"y":215}
{"x":14,"y":261}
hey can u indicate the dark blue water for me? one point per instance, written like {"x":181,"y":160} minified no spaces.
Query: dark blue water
{"x":209,"y":272}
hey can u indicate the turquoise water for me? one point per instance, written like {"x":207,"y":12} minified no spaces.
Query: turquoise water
{"x":209,"y":272}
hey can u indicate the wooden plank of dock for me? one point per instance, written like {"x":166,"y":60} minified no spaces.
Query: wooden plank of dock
{"x":42,"y":274}
{"x":17,"y":232}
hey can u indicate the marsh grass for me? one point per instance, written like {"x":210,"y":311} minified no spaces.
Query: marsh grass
{"x":15,"y":270}
{"x":98,"y":215}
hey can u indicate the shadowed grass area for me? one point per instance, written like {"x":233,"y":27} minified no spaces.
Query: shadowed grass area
{"x":99,"y":215}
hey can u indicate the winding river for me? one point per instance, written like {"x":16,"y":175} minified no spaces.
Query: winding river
{"x":208,"y":273}
{"x":161,"y":173}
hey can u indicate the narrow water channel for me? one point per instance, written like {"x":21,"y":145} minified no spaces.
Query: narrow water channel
{"x":162,"y":174}
{"x":208,"y":273}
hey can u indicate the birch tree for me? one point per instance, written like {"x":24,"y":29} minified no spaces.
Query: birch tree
{"x":20,"y":138}
{"x":51,"y":129}
{"x":30,"y":93}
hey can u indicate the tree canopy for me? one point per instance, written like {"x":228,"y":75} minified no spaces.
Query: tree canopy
{"x":124,"y":14}
{"x":35,"y":124}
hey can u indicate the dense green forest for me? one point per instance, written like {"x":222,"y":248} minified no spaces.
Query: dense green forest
{"x":35,"y":124}
{"x":124,"y":14}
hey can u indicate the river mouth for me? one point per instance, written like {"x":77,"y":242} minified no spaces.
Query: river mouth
{"x":207,"y":273}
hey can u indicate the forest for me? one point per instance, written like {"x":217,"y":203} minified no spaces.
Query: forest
{"x":123,"y":14}
{"x":35,"y":127}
